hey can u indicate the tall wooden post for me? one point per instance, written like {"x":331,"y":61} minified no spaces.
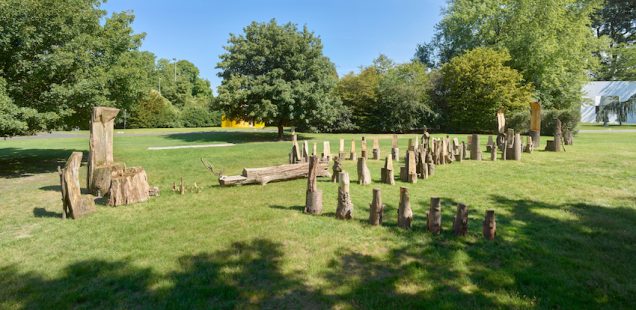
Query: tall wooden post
{"x":376,"y":149}
{"x":490,"y":225}
{"x":326,"y":151}
{"x":395,"y":150}
{"x":344,"y":211}
{"x":405,"y":213}
{"x":376,"y":208}
{"x":352,"y":154}
{"x":535,"y":123}
{"x":386,"y":173}
{"x":100,"y":154}
{"x":313,"y":201}
{"x":460,"y":224}
{"x":364,"y":175}
{"x":363,"y":148}
{"x":434,"y":216}
{"x":517,"y":147}
{"x":475,"y":152}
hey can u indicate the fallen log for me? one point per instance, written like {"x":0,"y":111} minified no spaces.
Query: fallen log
{"x":265,"y":175}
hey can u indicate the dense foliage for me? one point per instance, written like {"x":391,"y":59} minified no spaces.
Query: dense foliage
{"x":278,"y":74}
{"x":616,"y":23}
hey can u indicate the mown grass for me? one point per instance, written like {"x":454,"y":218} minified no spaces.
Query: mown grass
{"x":565,"y":235}
{"x":595,"y":126}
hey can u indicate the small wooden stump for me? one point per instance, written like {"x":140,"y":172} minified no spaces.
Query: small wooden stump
{"x":336,"y":168}
{"x":490,"y":144}
{"x":363,"y":148}
{"x":431,"y":169}
{"x":493,"y":153}
{"x":434,"y":216}
{"x":326,"y":151}
{"x":344,"y":211}
{"x":364,"y":175}
{"x":475,"y":152}
{"x":517,"y":147}
{"x":395,"y":153}
{"x":460,"y":223}
{"x":405,"y":213}
{"x":386,"y":173}
{"x":376,"y":149}
{"x":490,"y":225}
{"x":313,"y":201}
{"x":376,"y":208}
{"x":128,"y":187}
{"x":352,"y":153}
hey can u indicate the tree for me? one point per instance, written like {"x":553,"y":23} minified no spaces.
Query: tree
{"x":550,"y":41}
{"x":425,"y":53}
{"x":154,"y":111}
{"x":278,"y":74}
{"x":616,"y":21}
{"x":359,"y":93}
{"x":476,"y":85}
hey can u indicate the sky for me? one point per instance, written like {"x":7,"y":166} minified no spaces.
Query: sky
{"x":353,"y":32}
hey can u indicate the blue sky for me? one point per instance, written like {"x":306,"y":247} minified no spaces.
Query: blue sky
{"x":353,"y":32}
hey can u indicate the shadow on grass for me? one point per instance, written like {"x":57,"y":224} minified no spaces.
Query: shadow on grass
{"x":17,"y":163}
{"x":42,"y":212}
{"x":230,"y":136}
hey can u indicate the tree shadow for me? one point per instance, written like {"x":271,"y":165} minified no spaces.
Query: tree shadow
{"x":290,"y":208}
{"x":17,"y":163}
{"x":229,"y":136}
{"x":42,"y":212}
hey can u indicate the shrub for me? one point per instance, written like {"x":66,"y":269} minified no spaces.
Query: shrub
{"x":154,"y":111}
{"x":569,"y":120}
{"x":197,"y":113}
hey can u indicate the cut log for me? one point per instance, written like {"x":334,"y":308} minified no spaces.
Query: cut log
{"x":535,"y":123}
{"x":405,"y":213}
{"x":568,"y":138}
{"x":386,"y":173}
{"x":434,"y":216}
{"x":314,"y":151}
{"x":558,"y":135}
{"x":326,"y":151}
{"x":344,"y":211}
{"x":475,"y":152}
{"x":341,"y":148}
{"x":394,"y":142}
{"x":352,"y":154}
{"x":504,"y":151}
{"x":411,"y":168}
{"x":336,"y":169}
{"x":490,"y":225}
{"x":313,"y":201}
{"x":460,"y":223}
{"x":305,"y":151}
{"x":493,"y":153}
{"x":363,"y":148}
{"x":364,"y":175}
{"x":465,"y":150}
{"x":129,"y":186}
{"x":376,"y":208}
{"x":395,"y":153}
{"x":431,"y":169}
{"x":74,"y":204}
{"x":426,"y":138}
{"x":100,"y":145}
{"x":517,"y":147}
{"x":271,"y":174}
{"x":529,"y":147}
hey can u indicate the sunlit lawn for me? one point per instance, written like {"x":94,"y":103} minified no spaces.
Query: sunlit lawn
{"x":566,"y":232}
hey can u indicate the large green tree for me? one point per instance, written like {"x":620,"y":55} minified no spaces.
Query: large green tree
{"x":473,"y":87}
{"x":278,"y":74}
{"x":551,"y":41}
{"x":359,"y":93}
{"x":616,"y":22}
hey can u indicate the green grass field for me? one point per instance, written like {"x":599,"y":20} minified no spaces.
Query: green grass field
{"x":566,"y":234}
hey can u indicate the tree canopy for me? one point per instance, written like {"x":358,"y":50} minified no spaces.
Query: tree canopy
{"x":278,"y":74}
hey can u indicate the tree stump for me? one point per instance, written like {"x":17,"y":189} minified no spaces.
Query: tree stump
{"x":422,"y":167}
{"x":568,"y":138}
{"x":395,"y":150}
{"x":128,"y":187}
{"x":490,"y":225}
{"x":434,"y":216}
{"x":475,"y":152}
{"x":460,"y":223}
{"x":336,"y":168}
{"x":314,"y":151}
{"x":352,"y":153}
{"x":493,"y":153}
{"x":405,"y":214}
{"x":74,"y":204}
{"x":517,"y":147}
{"x":535,"y":123}
{"x":504,"y":151}
{"x":313,"y":201}
{"x":376,"y":208}
{"x":490,"y":144}
{"x":431,"y":169}
{"x":376,"y":149}
{"x":326,"y":151}
{"x":404,"y":175}
{"x":465,"y":150}
{"x":363,"y":147}
{"x":529,"y":147}
{"x":426,"y":138}
{"x":102,"y":174}
{"x":364,"y":175}
{"x":411,"y":168}
{"x":558,"y":135}
{"x":344,"y":211}
{"x":386,"y":173}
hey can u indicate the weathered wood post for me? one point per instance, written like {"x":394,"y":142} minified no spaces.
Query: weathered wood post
{"x":422,"y":167}
{"x":376,"y":208}
{"x":493,"y":153}
{"x":376,"y":149}
{"x":558,"y":136}
{"x":475,"y":152}
{"x":326,"y":151}
{"x":460,"y":223}
{"x":490,"y":144}
{"x":305,"y":151}
{"x":434,"y":216}
{"x":352,"y":153}
{"x":336,"y":168}
{"x":490,"y":225}
{"x":517,"y":147}
{"x":363,"y":147}
{"x":430,"y":164}
{"x":386,"y":173}
{"x":426,"y":138}
{"x":341,"y":150}
{"x":535,"y":123}
{"x":100,"y":154}
{"x":395,"y":150}
{"x":504,"y":150}
{"x":364,"y":175}
{"x":313,"y":201}
{"x":344,"y":211}
{"x":405,"y":213}
{"x":74,"y":204}
{"x":315,"y":150}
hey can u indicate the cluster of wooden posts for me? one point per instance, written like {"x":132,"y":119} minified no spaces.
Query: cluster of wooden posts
{"x":105,"y":177}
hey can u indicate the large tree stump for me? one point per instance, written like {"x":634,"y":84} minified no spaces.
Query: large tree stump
{"x":386,"y":173}
{"x":434,"y":216}
{"x":376,"y":208}
{"x":100,"y":147}
{"x":344,"y":211}
{"x":74,"y":204}
{"x":405,"y":213}
{"x":102,"y":175}
{"x":460,"y":223}
{"x":475,"y":152}
{"x":313,"y":201}
{"x":352,"y":153}
{"x":490,"y":225}
{"x":336,"y":168}
{"x":128,"y":187}
{"x":364,"y":175}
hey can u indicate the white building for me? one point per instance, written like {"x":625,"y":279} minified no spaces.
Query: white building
{"x":602,"y":92}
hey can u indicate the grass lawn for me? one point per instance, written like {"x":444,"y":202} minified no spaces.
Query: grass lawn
{"x":566,"y":233}
{"x":594,"y":126}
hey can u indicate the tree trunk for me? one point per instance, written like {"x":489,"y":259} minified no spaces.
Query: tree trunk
{"x":280,"y":132}
{"x":128,"y":187}
{"x":344,"y":211}
{"x":475,"y":152}
{"x":411,"y":168}
{"x":364,"y":175}
{"x":376,"y":208}
{"x":490,"y":225}
{"x":434,"y":216}
{"x":460,"y":224}
{"x":313,"y":201}
{"x":405,"y":214}
{"x":265,"y":175}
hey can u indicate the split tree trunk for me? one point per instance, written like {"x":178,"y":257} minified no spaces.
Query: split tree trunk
{"x":313,"y":200}
{"x":405,"y":213}
{"x":434,"y":216}
{"x":460,"y":224}
{"x":344,"y":211}
{"x":490,"y":225}
{"x":74,"y":204}
{"x":376,"y":208}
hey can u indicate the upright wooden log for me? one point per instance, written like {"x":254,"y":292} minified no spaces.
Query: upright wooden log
{"x":529,"y":146}
{"x":434,"y":216}
{"x":426,"y":138}
{"x":344,"y":211}
{"x":314,"y":152}
{"x":490,"y":225}
{"x":490,"y":144}
{"x":395,"y":150}
{"x":460,"y":223}
{"x":364,"y":175}
{"x":341,"y":147}
{"x":422,"y":167}
{"x":130,"y":186}
{"x":100,"y":154}
{"x":504,"y":151}
{"x":558,"y":135}
{"x":337,"y":168}
{"x":352,"y":153}
{"x":326,"y":151}
{"x":313,"y":200}
{"x":517,"y":147}
{"x":74,"y":204}
{"x":493,"y":153}
{"x":376,"y":208}
{"x":405,"y":213}
{"x":535,"y":123}
{"x":376,"y":149}
{"x":305,"y":151}
{"x":386,"y":173}
{"x":363,"y":147}
{"x":475,"y":152}
{"x":411,"y":168}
